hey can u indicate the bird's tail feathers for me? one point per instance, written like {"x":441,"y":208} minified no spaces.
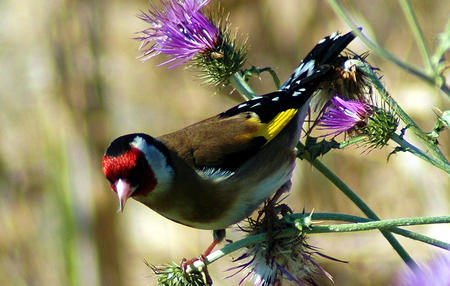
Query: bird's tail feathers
{"x":317,"y":62}
{"x":301,"y":85}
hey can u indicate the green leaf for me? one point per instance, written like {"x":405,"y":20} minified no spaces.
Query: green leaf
{"x":316,"y":149}
{"x":442,"y":122}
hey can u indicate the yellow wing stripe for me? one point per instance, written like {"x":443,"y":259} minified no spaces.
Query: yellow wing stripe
{"x":271,"y":129}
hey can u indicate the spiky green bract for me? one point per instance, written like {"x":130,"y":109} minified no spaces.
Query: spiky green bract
{"x":380,"y":127}
{"x":173,"y":275}
{"x":218,"y":64}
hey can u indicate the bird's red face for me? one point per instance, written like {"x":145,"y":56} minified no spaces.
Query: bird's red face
{"x":127,"y":170}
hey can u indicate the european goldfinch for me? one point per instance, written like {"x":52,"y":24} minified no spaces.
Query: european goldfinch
{"x":216,"y":172}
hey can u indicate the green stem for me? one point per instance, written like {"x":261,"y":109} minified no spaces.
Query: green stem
{"x":361,"y":225}
{"x":383,"y":52}
{"x":356,"y":219}
{"x":242,"y":86}
{"x":429,"y":143}
{"x":359,"y":203}
{"x":247,"y":73}
{"x":381,"y":224}
{"x":417,"y":31}
{"x":274,"y":75}
{"x":246,"y":90}
{"x":352,"y":141}
{"x":416,"y":151}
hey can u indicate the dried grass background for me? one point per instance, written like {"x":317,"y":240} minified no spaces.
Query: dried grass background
{"x":70,"y":83}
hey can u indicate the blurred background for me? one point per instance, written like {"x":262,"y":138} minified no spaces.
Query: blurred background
{"x":70,"y":83}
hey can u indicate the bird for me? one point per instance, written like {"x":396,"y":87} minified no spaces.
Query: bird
{"x":216,"y":172}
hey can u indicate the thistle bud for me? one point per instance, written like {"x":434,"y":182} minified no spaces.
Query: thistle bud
{"x":358,"y":118}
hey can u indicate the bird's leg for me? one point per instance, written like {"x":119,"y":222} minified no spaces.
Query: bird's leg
{"x":210,"y":247}
{"x":185,"y":263}
{"x":204,"y":272}
{"x":218,"y":236}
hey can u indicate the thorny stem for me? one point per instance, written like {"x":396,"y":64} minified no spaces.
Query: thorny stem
{"x":359,"y":203}
{"x":356,"y":219}
{"x":406,"y":146}
{"x":383,"y":52}
{"x":429,"y":143}
{"x":362,"y":224}
{"x":245,"y":89}
{"x":381,"y":224}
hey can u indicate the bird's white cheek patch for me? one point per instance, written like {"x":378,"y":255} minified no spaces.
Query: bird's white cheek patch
{"x":162,"y":170}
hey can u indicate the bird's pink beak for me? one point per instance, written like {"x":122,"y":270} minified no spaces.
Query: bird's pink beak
{"x":123,"y":191}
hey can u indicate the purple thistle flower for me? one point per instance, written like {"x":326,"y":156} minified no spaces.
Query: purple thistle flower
{"x":345,"y":115}
{"x":179,"y":29}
